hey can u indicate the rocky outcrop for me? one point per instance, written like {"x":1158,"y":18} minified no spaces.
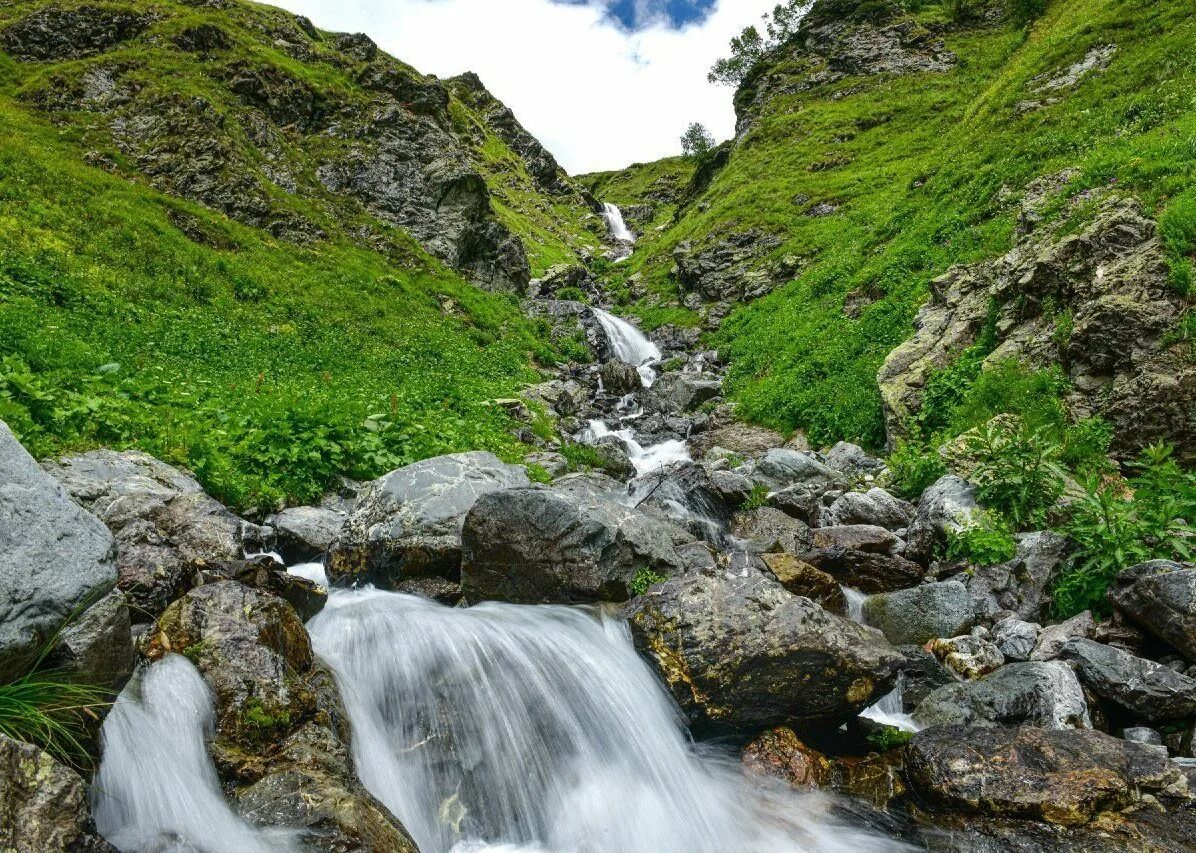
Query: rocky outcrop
{"x":57,"y":561}
{"x":914,"y":616}
{"x":731,"y":270}
{"x":1021,"y":586}
{"x":408,"y":523}
{"x":1044,"y":695}
{"x":1111,"y":281}
{"x":1160,"y":596}
{"x":537,"y":545}
{"x":741,"y":654}
{"x":43,"y":804}
{"x":55,"y":34}
{"x":162,"y":520}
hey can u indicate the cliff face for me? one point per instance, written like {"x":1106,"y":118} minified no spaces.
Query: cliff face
{"x":257,"y":114}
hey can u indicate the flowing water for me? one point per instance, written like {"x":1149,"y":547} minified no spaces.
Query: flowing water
{"x":630,"y":344}
{"x":645,"y":459}
{"x":890,"y":710}
{"x":615,"y":224}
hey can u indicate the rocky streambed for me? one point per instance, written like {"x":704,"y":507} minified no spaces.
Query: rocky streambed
{"x":711,"y":641}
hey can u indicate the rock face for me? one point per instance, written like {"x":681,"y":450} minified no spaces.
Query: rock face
{"x":740,"y":654}
{"x":1044,"y":695}
{"x":1160,"y":597}
{"x":678,"y":393}
{"x":913,"y":616}
{"x":1062,"y":777}
{"x":56,"y":34}
{"x":1113,"y":279}
{"x":408,"y":523}
{"x":162,"y":521}
{"x":1146,"y":689}
{"x":282,"y":738}
{"x":729,"y":270}
{"x":538,"y":545}
{"x":56,"y":561}
{"x":43,"y":804}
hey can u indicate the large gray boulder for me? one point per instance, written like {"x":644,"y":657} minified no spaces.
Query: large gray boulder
{"x":162,"y":520}
{"x":1146,"y":689}
{"x":948,"y":506}
{"x":1022,"y":585}
{"x":741,"y":654}
{"x":43,"y":804}
{"x":853,"y":462}
{"x":539,"y":545}
{"x":56,"y":559}
{"x":782,"y":467}
{"x":1160,"y":597}
{"x":768,"y":530}
{"x":1016,"y":638}
{"x":1045,"y":695}
{"x":875,"y":507}
{"x":914,"y":616}
{"x":303,"y":534}
{"x":677,"y":393}
{"x":408,"y":523}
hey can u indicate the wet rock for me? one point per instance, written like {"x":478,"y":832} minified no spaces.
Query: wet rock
{"x":408,"y":523}
{"x":801,"y":578}
{"x":1062,"y":777}
{"x":1023,"y":585}
{"x":1016,"y":639}
{"x":865,"y":571}
{"x":769,"y":530}
{"x":591,"y":486}
{"x":1141,"y":734}
{"x":737,"y":438}
{"x":779,"y":753}
{"x":619,"y":377}
{"x":1148,"y":690}
{"x":1044,"y":695}
{"x":614,"y":455}
{"x":875,"y":507}
{"x":162,"y":521}
{"x":43,"y":804}
{"x":266,"y":575}
{"x":95,"y":644}
{"x":1054,"y":637}
{"x":741,"y":654}
{"x":969,"y":656}
{"x":57,"y":34}
{"x":868,"y":538}
{"x":565,"y":397}
{"x":303,"y":534}
{"x":691,"y":494}
{"x":914,"y":616}
{"x":56,"y":561}
{"x":431,"y":588}
{"x":1160,"y":597}
{"x":922,"y":674}
{"x":538,"y":545}
{"x":948,"y":506}
{"x":677,"y":393}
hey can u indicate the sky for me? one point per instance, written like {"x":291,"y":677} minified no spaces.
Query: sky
{"x":602,"y":83}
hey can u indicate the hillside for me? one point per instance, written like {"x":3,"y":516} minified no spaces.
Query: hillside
{"x":883,"y":145}
{"x":249,"y":246}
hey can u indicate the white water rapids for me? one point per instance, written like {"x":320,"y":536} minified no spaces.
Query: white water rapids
{"x":645,"y":459}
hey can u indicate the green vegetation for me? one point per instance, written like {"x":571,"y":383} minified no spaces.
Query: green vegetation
{"x":757,"y":499}
{"x":1018,"y":472}
{"x":697,"y":141}
{"x":914,"y":468}
{"x":261,"y":724}
{"x":749,"y":48}
{"x":888,"y":738}
{"x":644,"y":579}
{"x":987,"y":541}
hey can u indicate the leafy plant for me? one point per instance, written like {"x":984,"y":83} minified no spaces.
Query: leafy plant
{"x":757,"y":499}
{"x":1018,"y":471}
{"x":986,"y":541}
{"x":914,"y":469}
{"x":750,"y":46}
{"x":644,"y":579}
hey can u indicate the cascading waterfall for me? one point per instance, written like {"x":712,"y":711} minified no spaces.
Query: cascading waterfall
{"x":855,"y":604}
{"x":645,"y":459}
{"x":890,"y":710}
{"x":630,"y":344}
{"x":615,"y":224}
{"x":516,"y":728}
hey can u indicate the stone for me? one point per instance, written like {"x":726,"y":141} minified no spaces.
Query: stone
{"x":43,"y":804}
{"x":1142,"y":734}
{"x":922,"y":613}
{"x":55,"y":34}
{"x":1063,"y":777}
{"x":678,"y":393}
{"x":303,"y":534}
{"x":554,"y":463}
{"x":921,"y":674}
{"x":780,"y":753}
{"x":162,"y":521}
{"x":56,"y":559}
{"x":1160,"y":597}
{"x":868,"y":538}
{"x":740,"y":654}
{"x":729,"y":270}
{"x":803,"y":579}
{"x":866,"y":571}
{"x":875,"y":507}
{"x":1023,"y":585}
{"x":96,"y":644}
{"x":408,"y":523}
{"x":1016,"y":639}
{"x":538,"y":545}
{"x":948,"y":506}
{"x":769,"y":530}
{"x":969,"y":656}
{"x":1044,"y":695}
{"x":265,"y":574}
{"x":737,"y":438}
{"x":781,"y":468}
{"x":1054,"y":637}
{"x":1148,"y":690}
{"x":431,"y":588}
{"x":614,"y":457}
{"x":691,"y":494}
{"x":853,"y":462}
{"x":619,"y":377}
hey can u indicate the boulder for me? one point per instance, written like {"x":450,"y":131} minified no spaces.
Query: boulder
{"x":1016,"y":639}
{"x":56,"y":561}
{"x":1148,"y":690}
{"x":875,"y":507}
{"x":780,"y":468}
{"x":853,"y":462}
{"x":162,"y":521}
{"x":677,"y":393}
{"x":737,"y":438}
{"x":948,"y":506}
{"x":43,"y":804}
{"x":921,"y":673}
{"x":408,"y":523}
{"x":922,"y":613}
{"x":1064,"y":776}
{"x":857,"y":537}
{"x":741,"y":654}
{"x":865,"y":571}
{"x":303,"y":534}
{"x":539,"y":545}
{"x":803,"y":579}
{"x":1160,"y":597}
{"x":780,"y":753}
{"x":619,"y":377}
{"x":614,"y":457}
{"x":1054,"y":637}
{"x":97,"y":645}
{"x":768,"y":530}
{"x":1021,"y":586}
{"x":1044,"y":695}
{"x":591,"y":486}
{"x":970,"y":656}
{"x":689,"y":492}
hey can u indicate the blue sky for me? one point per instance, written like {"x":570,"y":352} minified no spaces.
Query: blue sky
{"x":602,"y":83}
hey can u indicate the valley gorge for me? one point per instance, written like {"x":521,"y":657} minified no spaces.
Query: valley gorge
{"x":369,"y":483}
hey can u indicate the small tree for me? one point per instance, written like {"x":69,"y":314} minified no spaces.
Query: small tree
{"x":749,"y":47}
{"x":697,"y":141}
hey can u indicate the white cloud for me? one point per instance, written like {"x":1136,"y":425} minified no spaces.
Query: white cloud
{"x":597,"y":96}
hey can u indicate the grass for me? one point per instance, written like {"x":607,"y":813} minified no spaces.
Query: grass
{"x":50,"y":710}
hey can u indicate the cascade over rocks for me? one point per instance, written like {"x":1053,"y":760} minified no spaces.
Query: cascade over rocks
{"x":57,"y":565}
{"x":162,"y":520}
{"x":539,"y":546}
{"x":408,"y":523}
{"x":740,"y":654}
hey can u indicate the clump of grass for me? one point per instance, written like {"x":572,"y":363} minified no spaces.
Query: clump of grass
{"x":52,"y":710}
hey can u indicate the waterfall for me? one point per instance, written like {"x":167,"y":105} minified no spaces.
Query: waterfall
{"x":540,"y":730}
{"x":615,"y":224}
{"x":645,"y":459}
{"x":890,"y":710}
{"x":157,"y":788}
{"x":630,"y":344}
{"x":855,"y":603}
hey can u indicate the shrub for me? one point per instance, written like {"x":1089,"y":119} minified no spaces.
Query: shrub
{"x":985,"y":542}
{"x":697,"y":141}
{"x":914,"y":469}
{"x":1018,"y":472}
